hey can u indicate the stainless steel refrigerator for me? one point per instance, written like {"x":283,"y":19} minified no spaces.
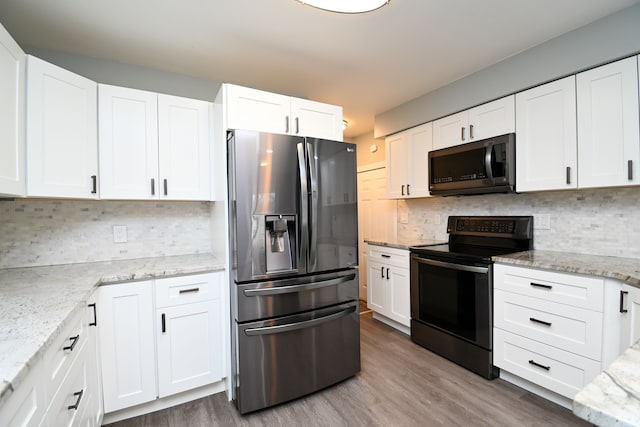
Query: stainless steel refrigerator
{"x":294,"y":240}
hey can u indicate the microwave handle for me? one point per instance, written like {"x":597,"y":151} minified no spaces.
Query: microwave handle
{"x":488,"y":157}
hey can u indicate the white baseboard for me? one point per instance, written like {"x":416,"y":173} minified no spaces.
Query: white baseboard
{"x":402,"y":328}
{"x":536,"y":389}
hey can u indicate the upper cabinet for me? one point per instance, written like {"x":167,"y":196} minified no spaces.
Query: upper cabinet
{"x":484,"y":121}
{"x":153,"y":146}
{"x":546,"y":142}
{"x":12,"y":112}
{"x":407,"y":162}
{"x":608,"y":125}
{"x":258,"y":110}
{"x":62,"y":140}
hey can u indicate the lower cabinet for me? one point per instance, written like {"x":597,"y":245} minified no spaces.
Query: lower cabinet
{"x":388,"y":285}
{"x":630,"y":312}
{"x":167,"y":329}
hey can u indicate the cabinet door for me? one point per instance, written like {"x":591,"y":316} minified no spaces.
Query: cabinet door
{"x":608,"y":125}
{"x":62,"y":140}
{"x":128,"y":136}
{"x":253,"y":109}
{"x":184,"y":139}
{"x":396,"y":161}
{"x":12,"y":100}
{"x":126,"y":337}
{"x":400,"y":304}
{"x":419,"y":142}
{"x":315,"y":119}
{"x":493,"y":118}
{"x":630,"y":333}
{"x":378,"y":289}
{"x":26,"y":405}
{"x":189,"y":346}
{"x":546,"y":157}
{"x":451,"y":130}
{"x":92,"y":417}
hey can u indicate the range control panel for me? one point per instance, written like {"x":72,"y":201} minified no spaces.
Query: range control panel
{"x":489,"y":225}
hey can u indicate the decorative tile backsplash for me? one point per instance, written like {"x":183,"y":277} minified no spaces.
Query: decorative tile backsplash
{"x":44,"y":232}
{"x":598,"y":222}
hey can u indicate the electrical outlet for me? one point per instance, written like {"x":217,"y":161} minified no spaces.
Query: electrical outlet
{"x":404,"y":218}
{"x":542,"y":221}
{"x":119,"y":234}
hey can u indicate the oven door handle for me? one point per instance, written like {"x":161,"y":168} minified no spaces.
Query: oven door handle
{"x":453,"y":266}
{"x":298,"y":325}
{"x":277,"y":290}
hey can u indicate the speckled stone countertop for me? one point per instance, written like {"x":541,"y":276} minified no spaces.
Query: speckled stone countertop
{"x":613,"y":397}
{"x":37,"y":302}
{"x":403,"y":244}
{"x":626,"y":270}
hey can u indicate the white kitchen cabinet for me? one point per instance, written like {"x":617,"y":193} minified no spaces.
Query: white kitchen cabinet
{"x":126,"y":336}
{"x":608,"y":125}
{"x":26,"y":406}
{"x":62,"y":140}
{"x":12,"y":116}
{"x":546,"y":155}
{"x":484,"y":121}
{"x":153,"y":146}
{"x":630,"y":312}
{"x":189,"y":332}
{"x":252,"y":109}
{"x":388,"y":285}
{"x":407,"y":162}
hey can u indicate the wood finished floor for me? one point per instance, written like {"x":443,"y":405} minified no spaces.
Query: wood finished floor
{"x":400,"y":384}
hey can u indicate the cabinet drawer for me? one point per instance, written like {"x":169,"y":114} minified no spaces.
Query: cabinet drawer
{"x":569,"y":289}
{"x":559,"y":371}
{"x":569,"y":328}
{"x":187,"y":289}
{"x":64,"y":350}
{"x":389,"y":256}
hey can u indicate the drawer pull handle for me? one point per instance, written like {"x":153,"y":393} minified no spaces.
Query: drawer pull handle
{"x":95,"y":315}
{"x":534,"y":363}
{"x":622,"y":309}
{"x":94,"y":184}
{"x":382,"y":272}
{"x":542,"y":322}
{"x":386,"y":256}
{"x":387,"y":274}
{"x":540,"y":285}
{"x":77,"y":404}
{"x":73,"y":343}
{"x":189,"y":291}
{"x":164,"y":323}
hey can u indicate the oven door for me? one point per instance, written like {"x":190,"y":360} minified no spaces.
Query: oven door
{"x":453,"y":297}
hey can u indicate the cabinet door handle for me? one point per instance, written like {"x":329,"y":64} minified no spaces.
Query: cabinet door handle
{"x":74,"y":341}
{"x":540,"y":285}
{"x":622,"y":309}
{"x":534,"y":363}
{"x":286,"y":124}
{"x":385,"y":256}
{"x":403,"y":189}
{"x":470,"y":131}
{"x":568,"y":174}
{"x":77,"y":404}
{"x":542,"y":322}
{"x":462,"y":133}
{"x":297,"y":125}
{"x":387,"y":274}
{"x":94,"y":184}
{"x":164,"y":323}
{"x":630,"y":170}
{"x":188,"y":291}
{"x":153,"y":186}
{"x":165,"y":187}
{"x":382,"y":272}
{"x":408,"y":192}
{"x":95,"y":316}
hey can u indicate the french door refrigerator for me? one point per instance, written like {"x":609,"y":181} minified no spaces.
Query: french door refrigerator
{"x":294,"y":240}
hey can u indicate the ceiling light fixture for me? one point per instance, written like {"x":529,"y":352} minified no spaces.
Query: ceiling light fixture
{"x":345,"y":124}
{"x":344,"y":6}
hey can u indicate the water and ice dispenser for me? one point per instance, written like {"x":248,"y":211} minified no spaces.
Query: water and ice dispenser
{"x":280,"y":243}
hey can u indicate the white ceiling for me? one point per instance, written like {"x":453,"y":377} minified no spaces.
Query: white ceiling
{"x":368,"y":63}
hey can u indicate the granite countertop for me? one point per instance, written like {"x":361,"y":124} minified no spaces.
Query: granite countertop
{"x":626,"y":270}
{"x":613,"y":397}
{"x":37,"y":302}
{"x":404,"y":243}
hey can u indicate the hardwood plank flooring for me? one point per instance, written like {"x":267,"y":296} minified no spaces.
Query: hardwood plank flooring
{"x":400,"y":384}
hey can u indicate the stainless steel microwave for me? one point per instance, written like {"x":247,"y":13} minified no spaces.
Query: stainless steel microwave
{"x":485,"y":166}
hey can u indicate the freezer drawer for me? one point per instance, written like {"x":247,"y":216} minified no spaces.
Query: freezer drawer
{"x":275,"y":298}
{"x":289,"y":357}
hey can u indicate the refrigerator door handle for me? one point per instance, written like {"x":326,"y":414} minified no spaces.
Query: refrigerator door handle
{"x":313,"y":226}
{"x":298,"y":325}
{"x":304,"y":203}
{"x":297,"y":288}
